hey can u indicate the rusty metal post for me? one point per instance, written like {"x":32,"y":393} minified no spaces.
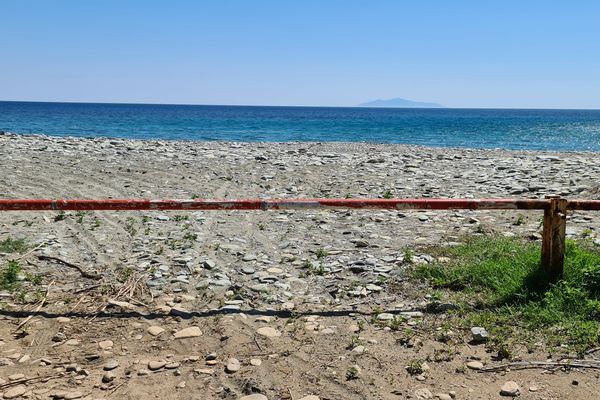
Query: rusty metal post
{"x":553,"y":238}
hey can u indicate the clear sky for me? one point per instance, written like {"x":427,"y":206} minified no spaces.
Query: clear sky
{"x":526,"y":53}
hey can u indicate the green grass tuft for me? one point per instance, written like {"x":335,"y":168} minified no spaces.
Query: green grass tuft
{"x":10,"y":245}
{"x":9,"y":275}
{"x":499,"y":283}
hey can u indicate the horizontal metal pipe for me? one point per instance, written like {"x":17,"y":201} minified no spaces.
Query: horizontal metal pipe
{"x":286,"y":204}
{"x":585,"y":205}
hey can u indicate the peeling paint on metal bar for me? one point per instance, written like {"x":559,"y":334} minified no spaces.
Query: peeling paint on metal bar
{"x":287,"y":204}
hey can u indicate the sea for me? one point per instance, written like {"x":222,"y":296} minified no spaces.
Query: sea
{"x":514,"y":129}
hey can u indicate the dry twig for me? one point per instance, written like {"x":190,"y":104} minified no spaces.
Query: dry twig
{"x":38,"y":308}
{"x":25,"y":380}
{"x":593,"y":364}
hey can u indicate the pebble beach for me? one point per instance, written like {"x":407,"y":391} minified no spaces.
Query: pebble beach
{"x":219,"y":287}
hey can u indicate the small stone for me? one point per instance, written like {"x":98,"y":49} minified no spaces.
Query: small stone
{"x":24,"y":359}
{"x":72,"y":342}
{"x":510,"y":389}
{"x":260,"y":287}
{"x":59,"y":337}
{"x":191,"y":332}
{"x":358,"y":349}
{"x":155,"y":330}
{"x":476,"y":365}
{"x":205,"y":371}
{"x":143,"y":372}
{"x":248,"y":257}
{"x":385,"y":317}
{"x":58,"y":394}
{"x":233,"y":365}
{"x":63,"y":320}
{"x":15,"y":392}
{"x":255,"y":396}
{"x":268,"y":332}
{"x":533,"y":388}
{"x":480,"y":335}
{"x":443,"y":396}
{"x":106,"y":344}
{"x":156,"y":365}
{"x":180,"y":385}
{"x":255,"y":361}
{"x":108,"y":377}
{"x":423,"y":393}
{"x":209,"y":264}
{"x":374,"y":288}
{"x":110,"y":365}
{"x":73,"y":395}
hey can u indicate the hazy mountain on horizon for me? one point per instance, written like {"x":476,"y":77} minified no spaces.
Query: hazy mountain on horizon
{"x":400,"y":103}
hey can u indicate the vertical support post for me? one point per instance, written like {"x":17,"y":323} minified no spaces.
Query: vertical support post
{"x":553,"y":238}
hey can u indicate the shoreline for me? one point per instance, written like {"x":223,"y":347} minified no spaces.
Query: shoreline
{"x":45,"y":136}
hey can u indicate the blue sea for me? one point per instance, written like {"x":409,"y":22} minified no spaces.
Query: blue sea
{"x":574,"y":130}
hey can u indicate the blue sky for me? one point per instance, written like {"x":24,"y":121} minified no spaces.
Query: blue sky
{"x":538,"y":54}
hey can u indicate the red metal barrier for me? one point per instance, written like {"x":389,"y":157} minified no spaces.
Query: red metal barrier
{"x":279,"y":204}
{"x":282,"y":204}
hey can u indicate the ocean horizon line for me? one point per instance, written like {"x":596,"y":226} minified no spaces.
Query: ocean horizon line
{"x":299,"y":106}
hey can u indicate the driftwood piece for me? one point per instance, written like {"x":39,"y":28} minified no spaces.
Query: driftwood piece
{"x":83,"y":273}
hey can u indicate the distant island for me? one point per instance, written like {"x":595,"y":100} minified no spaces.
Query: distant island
{"x":400,"y":103}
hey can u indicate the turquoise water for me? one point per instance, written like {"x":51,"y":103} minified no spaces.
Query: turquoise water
{"x":476,"y":128}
